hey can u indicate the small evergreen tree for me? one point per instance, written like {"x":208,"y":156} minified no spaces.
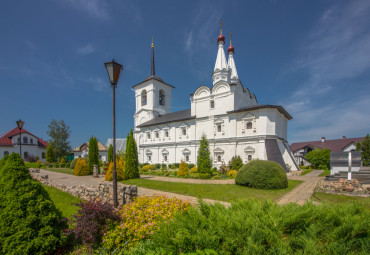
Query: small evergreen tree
{"x":204,"y":161}
{"x":50,"y":154}
{"x":319,"y":158}
{"x":236,"y":163}
{"x":93,"y":153}
{"x":364,"y":147}
{"x":110,"y":153}
{"x":131,"y":158}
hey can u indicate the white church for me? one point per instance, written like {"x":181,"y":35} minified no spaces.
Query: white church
{"x":226,"y":113}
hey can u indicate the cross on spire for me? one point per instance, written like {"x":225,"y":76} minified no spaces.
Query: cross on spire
{"x":230,"y":38}
{"x":153,"y":67}
{"x":221,"y":25}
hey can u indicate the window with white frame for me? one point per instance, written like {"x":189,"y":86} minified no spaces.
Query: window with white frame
{"x":249,"y":125}
{"x":249,"y":152}
{"x":161,"y":97}
{"x":31,"y":141}
{"x":166,"y":133}
{"x":149,"y":157}
{"x":148,"y":135}
{"x":165,"y":158}
{"x":186,"y":152}
{"x":219,"y":128}
{"x":143,"y":98}
{"x":183,"y":131}
{"x":157,"y":134}
{"x":250,"y":157}
{"x":212,"y":104}
{"x":187,"y":158}
{"x":25,"y":140}
{"x":219,"y":158}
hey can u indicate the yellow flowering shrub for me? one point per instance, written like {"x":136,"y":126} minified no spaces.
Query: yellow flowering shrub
{"x":231,"y":173}
{"x":183,"y":169}
{"x":62,"y":161}
{"x":81,"y":168}
{"x":148,"y":167}
{"x":120,"y":168}
{"x":194,"y":169}
{"x":140,"y":219}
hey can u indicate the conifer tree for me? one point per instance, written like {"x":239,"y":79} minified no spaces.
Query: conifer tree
{"x":364,"y":147}
{"x":93,"y":153}
{"x":110,"y":153}
{"x":131,"y":158}
{"x":50,"y":154}
{"x":204,"y":161}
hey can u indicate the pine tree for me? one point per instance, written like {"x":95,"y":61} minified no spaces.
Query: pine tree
{"x":50,"y":154}
{"x":364,"y":147}
{"x":131,"y":158}
{"x":110,"y":153}
{"x":93,"y":153}
{"x":204,"y":161}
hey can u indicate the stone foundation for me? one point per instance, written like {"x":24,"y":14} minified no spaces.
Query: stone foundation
{"x":344,"y":187}
{"x":103,"y":192}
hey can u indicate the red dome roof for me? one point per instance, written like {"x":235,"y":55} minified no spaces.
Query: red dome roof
{"x":231,"y":48}
{"x":221,"y":37}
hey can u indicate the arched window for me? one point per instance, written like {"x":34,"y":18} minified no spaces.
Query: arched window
{"x":161,"y":97}
{"x":212,"y":104}
{"x":249,"y":125}
{"x":25,"y":140}
{"x":219,"y":158}
{"x":187,"y":158}
{"x":144,"y":100}
{"x":249,"y":157}
{"x":219,"y":128}
{"x":6,"y":153}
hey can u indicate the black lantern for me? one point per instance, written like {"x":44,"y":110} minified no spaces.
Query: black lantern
{"x":20,"y":124}
{"x":114,"y":70}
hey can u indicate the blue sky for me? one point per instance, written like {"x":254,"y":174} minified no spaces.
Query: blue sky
{"x":312,"y":57}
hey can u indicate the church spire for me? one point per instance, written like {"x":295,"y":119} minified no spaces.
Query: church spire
{"x":153,"y":67}
{"x":221,"y":63}
{"x":231,"y":62}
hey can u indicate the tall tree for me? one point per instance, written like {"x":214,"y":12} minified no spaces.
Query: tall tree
{"x":204,"y":161}
{"x":319,"y":158}
{"x":50,"y":154}
{"x":59,"y":134}
{"x":364,"y":147}
{"x":131,"y":158}
{"x":93,"y":153}
{"x":110,"y":153}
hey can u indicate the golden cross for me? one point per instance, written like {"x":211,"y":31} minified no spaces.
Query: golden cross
{"x":152,"y":42}
{"x":221,"y":25}
{"x":230,"y":38}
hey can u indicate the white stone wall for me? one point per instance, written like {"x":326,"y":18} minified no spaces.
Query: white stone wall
{"x":33,"y":150}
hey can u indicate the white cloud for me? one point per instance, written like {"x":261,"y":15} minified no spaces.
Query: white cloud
{"x":95,"y":8}
{"x":98,"y":84}
{"x":87,"y":49}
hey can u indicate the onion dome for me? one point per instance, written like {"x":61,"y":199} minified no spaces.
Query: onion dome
{"x":220,"y":38}
{"x":230,"y":49}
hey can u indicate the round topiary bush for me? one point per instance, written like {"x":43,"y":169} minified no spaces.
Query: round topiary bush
{"x":81,"y":168}
{"x":262,"y":174}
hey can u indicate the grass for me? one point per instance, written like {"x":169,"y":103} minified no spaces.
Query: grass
{"x":221,"y":192}
{"x":325,"y":173}
{"x":63,"y":201}
{"x":306,"y":171}
{"x":335,"y":199}
{"x":60,"y":170}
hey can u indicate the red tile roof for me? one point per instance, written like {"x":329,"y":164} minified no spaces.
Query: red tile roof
{"x":6,"y":139}
{"x":332,"y":145}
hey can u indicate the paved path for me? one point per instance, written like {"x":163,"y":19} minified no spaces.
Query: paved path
{"x":71,"y":180}
{"x":184,"y":180}
{"x":304,"y":191}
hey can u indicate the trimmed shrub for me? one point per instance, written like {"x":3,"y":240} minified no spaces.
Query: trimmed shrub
{"x":157,"y":166}
{"x":148,"y":167}
{"x":164,"y":167}
{"x":191,"y":165}
{"x":73,"y":163}
{"x":120,"y":168}
{"x":183,"y":169}
{"x":81,"y":168}
{"x":30,"y":223}
{"x":62,"y":161}
{"x":262,"y":174}
{"x":140,"y":219}
{"x":110,"y":153}
{"x":194,"y":169}
{"x":223,"y":169}
{"x":204,"y":161}
{"x":173,"y":166}
{"x":93,"y":153}
{"x":235,"y":163}
{"x":50,"y":154}
{"x":131,"y":158}
{"x":91,"y":220}
{"x":232,"y":173}
{"x":205,"y":176}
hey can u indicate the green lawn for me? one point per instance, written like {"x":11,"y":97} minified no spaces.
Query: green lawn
{"x":306,"y":171}
{"x":222,"y":192}
{"x":325,"y":173}
{"x":63,"y":201}
{"x":339,"y":199}
{"x":60,"y":170}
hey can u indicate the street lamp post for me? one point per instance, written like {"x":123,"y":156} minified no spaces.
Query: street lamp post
{"x":20,"y":124}
{"x":114,"y":70}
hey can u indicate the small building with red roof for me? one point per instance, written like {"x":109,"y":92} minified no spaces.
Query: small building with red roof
{"x":32,"y":146}
{"x":301,"y":149}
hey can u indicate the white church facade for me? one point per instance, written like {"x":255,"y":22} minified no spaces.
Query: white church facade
{"x":226,"y":113}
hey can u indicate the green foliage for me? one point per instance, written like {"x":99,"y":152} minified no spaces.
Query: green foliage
{"x":59,"y":133}
{"x":252,"y":227}
{"x":30,"y":223}
{"x":131,"y":158}
{"x":364,"y":147}
{"x":3,"y":160}
{"x":81,"y":168}
{"x":319,"y":158}
{"x":110,"y":153}
{"x":50,"y":154}
{"x":73,"y":163}
{"x":262,"y":174}
{"x":120,"y":169}
{"x":93,"y":153}
{"x":140,"y":219}
{"x":235,"y":163}
{"x":204,"y":161}
{"x":183,"y":169}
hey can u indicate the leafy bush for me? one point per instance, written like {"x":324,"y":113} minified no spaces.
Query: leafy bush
{"x":194,"y":169}
{"x":73,"y":163}
{"x":183,"y":169}
{"x":205,"y":176}
{"x":81,"y":168}
{"x":148,"y":167}
{"x":91,"y":220}
{"x":319,"y":157}
{"x":303,"y":167}
{"x":50,"y":154}
{"x":62,"y":161}
{"x":164,"y":167}
{"x":30,"y":222}
{"x":223,"y":169}
{"x":232,"y":173}
{"x":204,"y":161}
{"x":262,"y":174}
{"x":177,"y":165}
{"x":120,"y":168}
{"x":364,"y":147}
{"x":173,"y":166}
{"x":140,"y":219}
{"x":235,"y":163}
{"x":157,"y":166}
{"x":253,"y":227}
{"x":191,"y":165}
